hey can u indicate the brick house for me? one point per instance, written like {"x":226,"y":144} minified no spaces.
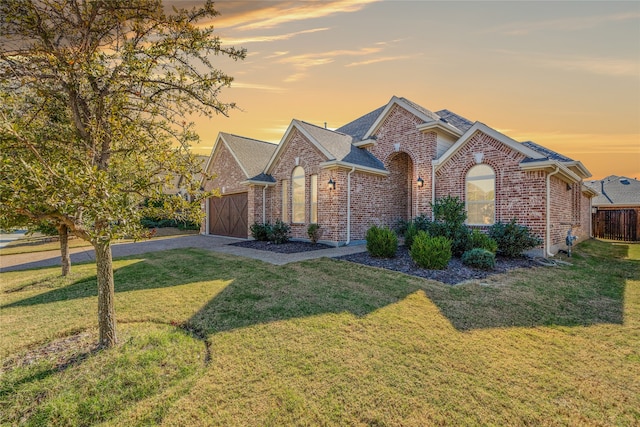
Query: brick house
{"x":390,"y":164}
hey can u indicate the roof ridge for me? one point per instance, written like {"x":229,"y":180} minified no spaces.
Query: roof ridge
{"x":248,"y":138}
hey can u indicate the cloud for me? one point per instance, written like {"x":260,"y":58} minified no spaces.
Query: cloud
{"x":263,"y":15}
{"x":301,"y":63}
{"x":591,"y":64}
{"x":263,"y":39}
{"x":380,"y":59}
{"x":256,"y":86}
{"x":563,"y":24}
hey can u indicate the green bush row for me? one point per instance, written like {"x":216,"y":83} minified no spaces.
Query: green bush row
{"x":277,"y":233}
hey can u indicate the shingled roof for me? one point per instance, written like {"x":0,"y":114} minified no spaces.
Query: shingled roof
{"x":359,"y":127}
{"x":340,"y":147}
{"x":616,"y":191}
{"x":455,"y":120}
{"x":252,"y":154}
{"x":549,"y":154}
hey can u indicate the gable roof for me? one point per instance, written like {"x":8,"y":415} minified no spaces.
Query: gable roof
{"x":549,"y":154}
{"x":336,"y":147}
{"x":251,"y":155}
{"x":616,"y":191}
{"x":361,"y":125}
{"x":454,"y":119}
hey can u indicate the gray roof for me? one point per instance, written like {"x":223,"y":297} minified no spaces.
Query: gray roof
{"x":616,"y":190}
{"x":423,"y":110}
{"x":252,"y":154}
{"x":455,"y":120}
{"x":361,"y":125}
{"x":549,"y":154}
{"x":340,"y":147}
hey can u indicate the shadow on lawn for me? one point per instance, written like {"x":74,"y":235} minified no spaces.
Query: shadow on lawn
{"x":590,"y":292}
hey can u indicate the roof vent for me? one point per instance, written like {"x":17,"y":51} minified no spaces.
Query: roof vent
{"x":624,"y":181}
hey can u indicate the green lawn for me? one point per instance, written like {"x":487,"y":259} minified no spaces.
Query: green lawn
{"x":211,"y":339}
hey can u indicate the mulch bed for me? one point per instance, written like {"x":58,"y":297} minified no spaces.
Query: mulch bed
{"x":456,"y":272}
{"x":282,"y":248}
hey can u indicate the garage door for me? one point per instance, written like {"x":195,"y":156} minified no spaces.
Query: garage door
{"x":228,"y":215}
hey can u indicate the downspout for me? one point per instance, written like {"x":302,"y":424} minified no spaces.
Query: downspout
{"x":591,"y":217}
{"x":433,"y":191}
{"x":264,"y":205}
{"x":349,"y":206}
{"x":206,"y":209}
{"x":547,"y":243}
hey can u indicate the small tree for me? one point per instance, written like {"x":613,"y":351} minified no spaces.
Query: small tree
{"x":124,"y":77}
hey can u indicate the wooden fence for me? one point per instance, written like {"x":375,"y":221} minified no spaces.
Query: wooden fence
{"x":618,"y":224}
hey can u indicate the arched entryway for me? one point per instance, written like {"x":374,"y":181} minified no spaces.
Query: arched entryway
{"x":400,"y":182}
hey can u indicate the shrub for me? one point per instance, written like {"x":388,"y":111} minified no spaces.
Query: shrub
{"x":280,"y":232}
{"x":512,"y":238}
{"x":314,"y":232}
{"x":449,"y":217}
{"x":261,"y":232}
{"x":449,"y":210}
{"x":482,"y":241}
{"x":382,"y":242}
{"x":410,"y":234}
{"x":433,"y":253}
{"x":479,"y":258}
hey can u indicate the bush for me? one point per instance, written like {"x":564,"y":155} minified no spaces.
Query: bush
{"x":433,"y":253}
{"x":449,"y":217}
{"x":261,"y":232}
{"x":280,"y":232}
{"x":382,"y":242}
{"x":479,"y":258}
{"x":314,"y":232}
{"x":410,"y":234}
{"x":512,"y":238}
{"x":482,"y":241}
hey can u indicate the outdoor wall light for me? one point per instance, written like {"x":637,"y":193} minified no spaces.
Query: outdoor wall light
{"x":331,"y":185}
{"x":420,"y":182}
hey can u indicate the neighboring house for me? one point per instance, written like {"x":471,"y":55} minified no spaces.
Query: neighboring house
{"x":177,"y":184}
{"x":617,"y":207}
{"x":388,"y":165}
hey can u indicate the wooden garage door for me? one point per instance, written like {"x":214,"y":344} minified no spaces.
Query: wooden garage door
{"x":228,"y":215}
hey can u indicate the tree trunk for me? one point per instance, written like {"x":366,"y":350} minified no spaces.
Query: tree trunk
{"x":65,"y":258}
{"x":106,"y":295}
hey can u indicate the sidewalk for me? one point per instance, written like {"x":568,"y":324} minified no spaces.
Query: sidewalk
{"x":212,"y":243}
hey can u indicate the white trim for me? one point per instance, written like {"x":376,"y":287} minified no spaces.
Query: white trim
{"x":258,"y":182}
{"x":547,"y":243}
{"x":442,"y":126}
{"x":335,"y":164}
{"x":365,"y":143}
{"x":581,"y":170}
{"x":401,"y":103}
{"x":285,"y":141}
{"x":544,"y":165}
{"x":481,"y":127}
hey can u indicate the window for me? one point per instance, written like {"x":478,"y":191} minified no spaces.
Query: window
{"x":481,"y":195}
{"x":297,"y":194}
{"x":313,"y":217}
{"x":285,"y":200}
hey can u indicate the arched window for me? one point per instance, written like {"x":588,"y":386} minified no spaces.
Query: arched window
{"x":297,"y":195}
{"x":481,"y":195}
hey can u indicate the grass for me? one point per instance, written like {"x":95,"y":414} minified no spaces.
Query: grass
{"x":211,"y":339}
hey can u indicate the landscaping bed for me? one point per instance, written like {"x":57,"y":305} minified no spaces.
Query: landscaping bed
{"x":456,"y":272}
{"x":282,"y":248}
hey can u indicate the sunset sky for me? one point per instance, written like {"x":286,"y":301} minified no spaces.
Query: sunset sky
{"x":563,"y":74}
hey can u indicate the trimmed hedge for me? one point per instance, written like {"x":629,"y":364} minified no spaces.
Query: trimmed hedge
{"x":433,"y":253}
{"x":479,"y":258}
{"x":382,"y":242}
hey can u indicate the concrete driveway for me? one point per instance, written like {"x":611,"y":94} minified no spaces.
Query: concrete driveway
{"x":212,"y":243}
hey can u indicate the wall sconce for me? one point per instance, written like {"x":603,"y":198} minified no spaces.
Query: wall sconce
{"x":331,"y":185}
{"x":569,"y":187}
{"x":420,"y":182}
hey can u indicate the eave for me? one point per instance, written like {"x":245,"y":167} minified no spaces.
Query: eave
{"x":551,"y":166}
{"x":337,"y":164}
{"x":366,"y":143}
{"x":440,"y":127}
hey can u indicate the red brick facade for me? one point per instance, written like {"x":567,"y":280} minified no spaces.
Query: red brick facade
{"x":407,"y":153}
